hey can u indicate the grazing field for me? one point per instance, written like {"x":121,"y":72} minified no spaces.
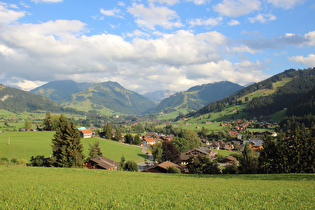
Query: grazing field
{"x":24,"y":145}
{"x":57,"y":188}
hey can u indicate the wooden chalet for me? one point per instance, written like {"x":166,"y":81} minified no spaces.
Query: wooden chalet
{"x":162,"y":168}
{"x":255,"y":144}
{"x":86,"y":133}
{"x":101,"y":163}
{"x":198,"y":151}
{"x":146,"y":141}
{"x":229,"y":159}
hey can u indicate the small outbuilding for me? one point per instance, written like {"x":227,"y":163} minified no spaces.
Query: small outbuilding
{"x":229,"y":159}
{"x":86,"y":133}
{"x":101,"y":163}
{"x":162,"y":168}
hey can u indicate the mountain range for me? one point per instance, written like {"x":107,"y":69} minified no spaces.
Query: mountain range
{"x":112,"y":98}
{"x":267,"y":97}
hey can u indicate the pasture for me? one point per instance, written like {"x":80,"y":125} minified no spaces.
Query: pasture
{"x":61,"y":188}
{"x":23,"y":145}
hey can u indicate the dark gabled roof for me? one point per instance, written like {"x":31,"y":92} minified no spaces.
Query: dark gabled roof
{"x":202,"y":150}
{"x":184,"y":157}
{"x":167,"y":164}
{"x":229,"y":159}
{"x":104,"y":162}
{"x":162,"y":167}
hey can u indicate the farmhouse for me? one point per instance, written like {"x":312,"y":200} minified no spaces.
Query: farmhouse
{"x":146,"y":141}
{"x":228,"y":159}
{"x":162,"y":168}
{"x":86,"y":133}
{"x":101,"y":163}
{"x":200,"y":150}
{"x":254,"y":144}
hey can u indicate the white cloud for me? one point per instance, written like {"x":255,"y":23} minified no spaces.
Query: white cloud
{"x":138,"y":33}
{"x":262,"y":18}
{"x":222,"y":70}
{"x":152,"y":16}
{"x":198,"y":2}
{"x":285,"y":4}
{"x":25,"y":84}
{"x":233,"y":22}
{"x":243,"y":48}
{"x":168,"y":2}
{"x":8,"y":16}
{"x":121,"y":3}
{"x":112,"y":12}
{"x":311,"y":38}
{"x":47,"y":1}
{"x":205,"y":22}
{"x":309,"y":60}
{"x":235,"y":8}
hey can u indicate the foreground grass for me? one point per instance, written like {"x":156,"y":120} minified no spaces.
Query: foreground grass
{"x":43,"y":188}
{"x":24,"y":145}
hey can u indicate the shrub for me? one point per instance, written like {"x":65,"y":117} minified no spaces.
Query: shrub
{"x":4,"y":161}
{"x":131,"y":165}
{"x":172,"y":170}
{"x":39,"y":160}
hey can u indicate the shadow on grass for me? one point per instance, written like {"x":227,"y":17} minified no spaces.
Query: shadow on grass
{"x":144,"y":156}
{"x":293,"y":177}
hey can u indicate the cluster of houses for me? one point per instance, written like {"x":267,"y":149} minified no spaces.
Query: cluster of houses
{"x":240,"y":125}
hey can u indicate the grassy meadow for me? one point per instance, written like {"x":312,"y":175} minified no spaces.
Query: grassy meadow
{"x":23,"y":145}
{"x":59,"y":188}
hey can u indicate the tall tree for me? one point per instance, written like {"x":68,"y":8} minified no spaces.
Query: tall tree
{"x":249,"y":161}
{"x":118,"y":136}
{"x":66,"y":145}
{"x":108,"y":131}
{"x":157,"y":153}
{"x":95,"y":150}
{"x":128,"y":138}
{"x":181,"y":144}
{"x":76,"y":147}
{"x":137,"y":140}
{"x":192,"y":138}
{"x":170,"y":153}
{"x":27,"y":125}
{"x":48,"y":122}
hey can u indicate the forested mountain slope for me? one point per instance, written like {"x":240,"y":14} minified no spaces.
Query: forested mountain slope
{"x":15,"y":100}
{"x":197,"y":97}
{"x":269,"y":96}
{"x":109,"y":98}
{"x":60,"y":90}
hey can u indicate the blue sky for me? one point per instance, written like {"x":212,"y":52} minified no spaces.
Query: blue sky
{"x":153,"y":45}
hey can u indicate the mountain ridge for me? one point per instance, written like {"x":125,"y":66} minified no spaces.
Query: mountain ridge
{"x":197,"y":96}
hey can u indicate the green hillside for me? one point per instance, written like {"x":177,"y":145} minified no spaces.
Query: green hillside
{"x":23,"y":145}
{"x":196,"y":97}
{"x":15,"y":100}
{"x":67,"y":188}
{"x":109,"y":98}
{"x":264,"y":98}
{"x":59,"y":90}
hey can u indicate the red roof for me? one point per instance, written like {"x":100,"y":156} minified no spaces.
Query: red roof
{"x":148,"y":139}
{"x":86,"y":131}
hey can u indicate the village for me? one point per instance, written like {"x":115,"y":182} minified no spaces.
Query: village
{"x":224,"y":151}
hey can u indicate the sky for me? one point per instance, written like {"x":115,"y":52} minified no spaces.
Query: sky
{"x":150,"y":45}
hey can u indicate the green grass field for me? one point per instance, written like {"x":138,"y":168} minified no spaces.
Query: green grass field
{"x":27,"y":144}
{"x":58,"y":188}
